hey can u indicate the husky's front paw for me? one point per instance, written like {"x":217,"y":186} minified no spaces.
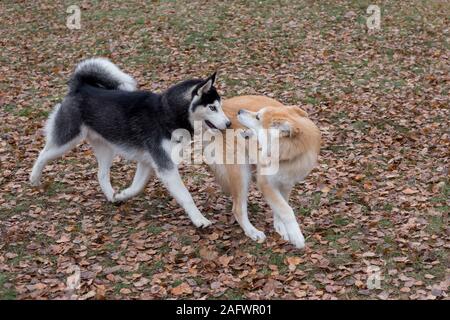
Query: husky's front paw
{"x":120,"y":197}
{"x":35,"y":181}
{"x":111,"y":197}
{"x":201,"y":222}
{"x":256,"y":235}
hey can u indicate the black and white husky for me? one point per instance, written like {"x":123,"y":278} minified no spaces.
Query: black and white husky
{"x":103,"y":108}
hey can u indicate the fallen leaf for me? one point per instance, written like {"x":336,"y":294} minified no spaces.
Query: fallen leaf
{"x":181,"y":289}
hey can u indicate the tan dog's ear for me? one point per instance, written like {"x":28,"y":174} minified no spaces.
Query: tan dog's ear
{"x":285,"y":128}
{"x":298,"y":110}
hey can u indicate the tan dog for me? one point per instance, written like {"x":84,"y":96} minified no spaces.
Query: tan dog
{"x":299,"y":146}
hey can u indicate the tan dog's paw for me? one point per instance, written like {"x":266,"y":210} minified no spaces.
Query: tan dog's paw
{"x":256,"y":235}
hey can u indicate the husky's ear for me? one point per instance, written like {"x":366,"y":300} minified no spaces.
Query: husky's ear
{"x":285,"y":128}
{"x":213,"y":78}
{"x":300,"y":112}
{"x":206,"y":85}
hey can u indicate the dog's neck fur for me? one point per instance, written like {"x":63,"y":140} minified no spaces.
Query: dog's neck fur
{"x":181,"y":112}
{"x":177,"y":99}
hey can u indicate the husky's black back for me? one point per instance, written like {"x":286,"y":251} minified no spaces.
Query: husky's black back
{"x":129,"y":119}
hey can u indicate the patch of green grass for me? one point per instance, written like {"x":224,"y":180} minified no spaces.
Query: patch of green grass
{"x":254,"y":208}
{"x":140,"y":20}
{"x":233,"y":294}
{"x":164,"y":249}
{"x":177,"y":282}
{"x":24,"y":112}
{"x":385,"y":223}
{"x":337,"y":148}
{"x":199,"y":280}
{"x":355,"y":245}
{"x":43,"y":239}
{"x":119,"y":286}
{"x":42,"y":114}
{"x":56,"y":188}
{"x":311,"y":100}
{"x":256,"y":249}
{"x":439,"y":270}
{"x":150,"y":269}
{"x":154,"y":229}
{"x":436,"y":224}
{"x":443,"y":209}
{"x":185,"y":240}
{"x":6,"y":293}
{"x":360,"y":125}
{"x":331,"y":236}
{"x":278,"y":260}
{"x":9,"y":108}
{"x":20,"y":207}
{"x":340,"y":258}
{"x":111,"y":246}
{"x":388,"y":247}
{"x":20,"y":250}
{"x":304,"y":211}
{"x":340,"y":221}
{"x":315,"y":201}
{"x":266,"y":271}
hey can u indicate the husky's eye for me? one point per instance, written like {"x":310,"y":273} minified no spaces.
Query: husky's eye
{"x":257,"y":116}
{"x":213,"y":108}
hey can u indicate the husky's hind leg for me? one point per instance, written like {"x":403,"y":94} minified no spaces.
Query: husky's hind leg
{"x":60,"y":139}
{"x":105,"y":155}
{"x":141,"y":177}
{"x":49,"y":153}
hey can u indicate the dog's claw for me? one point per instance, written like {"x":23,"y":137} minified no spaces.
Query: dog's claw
{"x":294,"y":235}
{"x":299,"y":242}
{"x":281,"y":230}
{"x":201,"y":222}
{"x":119,"y":197}
{"x":111,"y":198}
{"x":256,"y":235}
{"x":35,"y":182}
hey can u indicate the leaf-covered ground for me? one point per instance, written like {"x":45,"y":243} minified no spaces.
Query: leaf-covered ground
{"x":378,"y":199}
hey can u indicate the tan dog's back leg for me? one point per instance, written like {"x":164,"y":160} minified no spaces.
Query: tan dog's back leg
{"x":282,"y":211}
{"x":285,"y":191}
{"x":239,"y":177}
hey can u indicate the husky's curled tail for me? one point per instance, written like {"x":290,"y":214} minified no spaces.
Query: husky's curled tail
{"x":100,"y":72}
{"x":64,"y":125}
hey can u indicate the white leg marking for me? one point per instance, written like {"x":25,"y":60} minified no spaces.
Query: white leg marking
{"x":285,"y":215}
{"x":141,"y":177}
{"x":279,"y":227}
{"x":105,"y":156}
{"x":240,"y":208}
{"x":49,"y":153}
{"x":249,"y":229}
{"x":172,"y":180}
{"x":277,"y":223}
{"x":292,"y":229}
